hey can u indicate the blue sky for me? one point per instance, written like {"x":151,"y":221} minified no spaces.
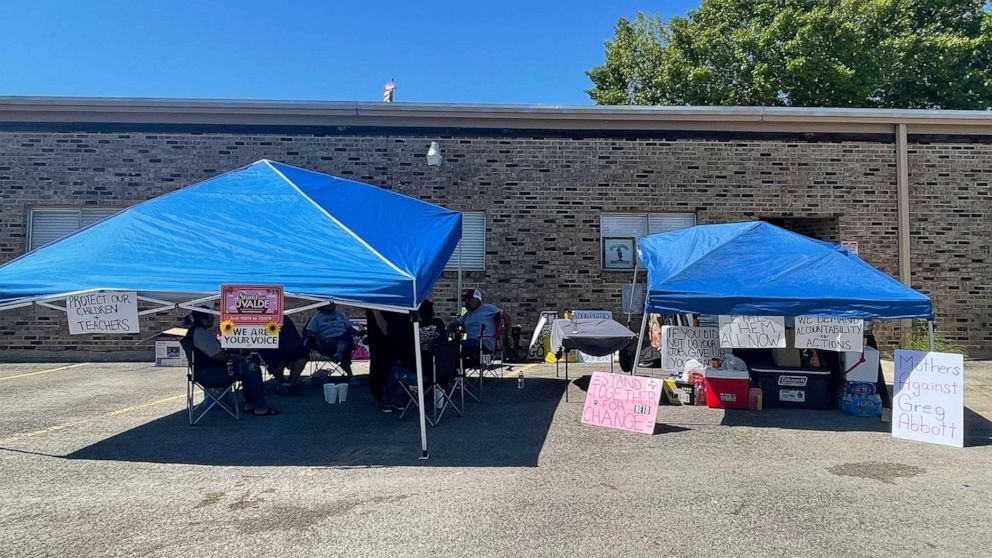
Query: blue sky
{"x":459,"y":52}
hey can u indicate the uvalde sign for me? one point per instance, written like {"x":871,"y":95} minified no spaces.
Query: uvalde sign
{"x":679,"y":344}
{"x":928,"y":398}
{"x":102,"y":312}
{"x":752,"y":332}
{"x":622,"y":402}
{"x":830,"y":334}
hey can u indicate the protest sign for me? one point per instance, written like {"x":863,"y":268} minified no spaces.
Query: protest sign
{"x":622,"y":402}
{"x":679,"y":344}
{"x":250,"y":316}
{"x":594,"y":315}
{"x":830,"y":334}
{"x":928,"y":398}
{"x":752,"y":332}
{"x":540,"y":340}
{"x":102,"y":312}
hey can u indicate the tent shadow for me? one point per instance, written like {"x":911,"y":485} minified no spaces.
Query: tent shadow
{"x":977,"y":429}
{"x":831,"y":420}
{"x":506,"y":429}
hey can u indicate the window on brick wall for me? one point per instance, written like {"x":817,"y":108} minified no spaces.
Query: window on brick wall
{"x":472,"y":247}
{"x":636,"y":225}
{"x":48,"y":225}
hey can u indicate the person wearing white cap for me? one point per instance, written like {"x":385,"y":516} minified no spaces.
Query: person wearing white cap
{"x":477,"y":316}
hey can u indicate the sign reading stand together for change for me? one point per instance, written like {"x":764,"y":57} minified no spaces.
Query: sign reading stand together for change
{"x":102,"y":312}
{"x":250,"y":316}
{"x":830,"y":334}
{"x":622,"y":402}
{"x":752,"y":332}
{"x":928,"y":398}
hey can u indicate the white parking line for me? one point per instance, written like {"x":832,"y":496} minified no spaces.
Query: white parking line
{"x":44,"y":371}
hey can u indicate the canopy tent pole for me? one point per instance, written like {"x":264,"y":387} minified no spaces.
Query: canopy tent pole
{"x":415,"y":315}
{"x":630,"y":300}
{"x":458,"y":292}
{"x":930,"y":331}
{"x":640,"y":342}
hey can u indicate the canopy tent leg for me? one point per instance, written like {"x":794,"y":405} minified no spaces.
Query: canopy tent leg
{"x":420,"y":385}
{"x":633,"y":285}
{"x":640,"y":343}
{"x":930,"y":331}
{"x":458,"y":293}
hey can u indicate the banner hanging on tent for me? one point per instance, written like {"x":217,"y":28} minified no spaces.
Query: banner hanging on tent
{"x":752,"y":332}
{"x":250,"y":316}
{"x":102,"y":313}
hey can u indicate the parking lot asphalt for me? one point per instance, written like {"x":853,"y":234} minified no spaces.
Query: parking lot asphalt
{"x":99,"y":460}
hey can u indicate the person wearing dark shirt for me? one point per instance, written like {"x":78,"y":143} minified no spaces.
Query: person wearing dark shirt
{"x":292,"y":353}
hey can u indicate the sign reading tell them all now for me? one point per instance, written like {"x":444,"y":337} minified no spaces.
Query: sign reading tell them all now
{"x":622,"y":402}
{"x":680,"y":343}
{"x":752,"y":332}
{"x":250,"y":316}
{"x":102,"y":312}
{"x":830,"y":334}
{"x":928,"y":398}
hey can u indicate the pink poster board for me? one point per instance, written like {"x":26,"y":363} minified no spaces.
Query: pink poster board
{"x":251,"y":304}
{"x":622,"y":402}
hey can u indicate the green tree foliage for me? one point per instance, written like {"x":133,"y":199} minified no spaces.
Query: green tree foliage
{"x":830,"y":53}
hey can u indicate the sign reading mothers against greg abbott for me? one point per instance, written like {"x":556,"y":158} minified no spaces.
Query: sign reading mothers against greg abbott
{"x":830,"y":334}
{"x":752,"y":332}
{"x":103,"y":312}
{"x":679,"y":344}
{"x":928,"y":399}
{"x":622,"y":402}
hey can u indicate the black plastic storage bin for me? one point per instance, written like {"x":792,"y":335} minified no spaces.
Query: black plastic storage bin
{"x":804,"y":388}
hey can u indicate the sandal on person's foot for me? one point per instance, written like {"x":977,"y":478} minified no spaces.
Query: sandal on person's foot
{"x":269,"y":412}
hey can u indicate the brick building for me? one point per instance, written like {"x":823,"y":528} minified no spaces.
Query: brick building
{"x":542,"y":187}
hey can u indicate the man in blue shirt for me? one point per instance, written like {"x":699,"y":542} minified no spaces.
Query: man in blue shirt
{"x":332,"y":331}
{"x":477,"y":316}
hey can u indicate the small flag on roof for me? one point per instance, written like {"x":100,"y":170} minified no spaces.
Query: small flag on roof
{"x":387,"y":93}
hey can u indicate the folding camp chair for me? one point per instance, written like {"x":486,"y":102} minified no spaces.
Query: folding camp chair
{"x":441,"y":387}
{"x":214,"y":395}
{"x":476,"y":366}
{"x":321,"y":361}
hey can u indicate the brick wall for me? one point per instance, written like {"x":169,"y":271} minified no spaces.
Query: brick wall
{"x":543,"y":197}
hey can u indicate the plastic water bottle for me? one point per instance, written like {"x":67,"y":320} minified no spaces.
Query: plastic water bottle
{"x":575,"y":323}
{"x":520,"y":381}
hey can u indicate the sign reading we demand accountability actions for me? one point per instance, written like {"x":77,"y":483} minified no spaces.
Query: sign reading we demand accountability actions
{"x":928,"y":398}
{"x":251,"y":316}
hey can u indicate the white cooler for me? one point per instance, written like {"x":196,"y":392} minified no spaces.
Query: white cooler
{"x":866,"y":371}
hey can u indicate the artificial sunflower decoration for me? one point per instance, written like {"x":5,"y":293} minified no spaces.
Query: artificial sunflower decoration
{"x":272,"y":328}
{"x":227,"y":327}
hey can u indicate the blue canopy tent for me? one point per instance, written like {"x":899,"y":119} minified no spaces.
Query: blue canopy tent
{"x":319,"y":236}
{"x":756,"y":268}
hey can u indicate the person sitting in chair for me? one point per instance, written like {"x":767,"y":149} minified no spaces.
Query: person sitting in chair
{"x":480,"y":323}
{"x":331,"y":331}
{"x":292,"y":354}
{"x":210,"y":365}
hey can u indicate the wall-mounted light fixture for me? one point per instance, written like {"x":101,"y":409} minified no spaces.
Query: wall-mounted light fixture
{"x":434,"y":155}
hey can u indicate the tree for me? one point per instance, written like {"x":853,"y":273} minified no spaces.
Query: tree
{"x":830,"y":53}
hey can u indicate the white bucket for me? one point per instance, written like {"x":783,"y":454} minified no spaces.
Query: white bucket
{"x":342,"y":393}
{"x":331,"y":393}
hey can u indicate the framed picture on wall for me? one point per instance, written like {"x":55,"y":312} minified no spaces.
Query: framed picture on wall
{"x":618,"y":254}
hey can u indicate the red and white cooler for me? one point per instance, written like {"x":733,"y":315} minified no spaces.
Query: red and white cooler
{"x":727,"y":389}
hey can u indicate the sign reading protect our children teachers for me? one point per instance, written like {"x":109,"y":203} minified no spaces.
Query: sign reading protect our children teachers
{"x":250,"y":316}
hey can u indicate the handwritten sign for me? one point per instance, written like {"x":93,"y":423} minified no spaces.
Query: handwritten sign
{"x":542,"y":333}
{"x":102,"y":312}
{"x":622,"y":402}
{"x":594,"y":315}
{"x":679,"y":344}
{"x":251,"y":304}
{"x":928,"y":399}
{"x":830,"y":334}
{"x":752,"y":332}
{"x":249,"y":337}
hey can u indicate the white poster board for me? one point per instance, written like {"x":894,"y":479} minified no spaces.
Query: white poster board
{"x":102,"y":313}
{"x":542,"y":333}
{"x":594,"y":315}
{"x":249,"y":337}
{"x":928,"y":398}
{"x":680,"y":343}
{"x":830,"y":334}
{"x":752,"y":332}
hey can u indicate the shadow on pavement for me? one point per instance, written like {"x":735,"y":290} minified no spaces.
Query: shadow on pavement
{"x":506,"y":429}
{"x":977,"y":429}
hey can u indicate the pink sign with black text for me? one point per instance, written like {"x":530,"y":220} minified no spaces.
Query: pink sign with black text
{"x":622,"y":402}
{"x":251,"y":304}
